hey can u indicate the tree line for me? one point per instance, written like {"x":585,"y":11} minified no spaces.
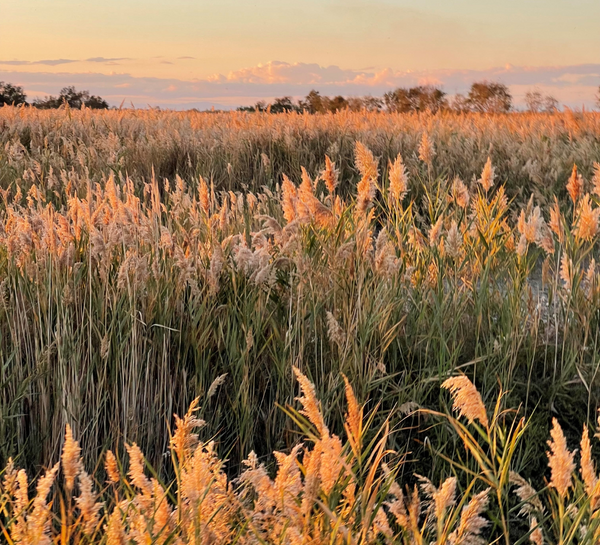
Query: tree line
{"x":483,"y":96}
{"x":14,"y":95}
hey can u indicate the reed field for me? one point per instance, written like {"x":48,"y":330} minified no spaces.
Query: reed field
{"x":381,"y":328}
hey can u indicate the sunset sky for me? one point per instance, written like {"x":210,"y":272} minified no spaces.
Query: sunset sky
{"x":194,"y":53}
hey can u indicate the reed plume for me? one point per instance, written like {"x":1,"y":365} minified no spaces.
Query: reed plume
{"x":467,"y":400}
{"x":560,"y":461}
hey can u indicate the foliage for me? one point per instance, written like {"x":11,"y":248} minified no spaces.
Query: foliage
{"x":424,"y":98}
{"x":73,"y":98}
{"x":536,"y":102}
{"x":491,"y":97}
{"x":11,"y":95}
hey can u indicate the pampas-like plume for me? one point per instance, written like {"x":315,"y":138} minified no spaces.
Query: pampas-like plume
{"x":398,"y":178}
{"x":306,"y":186}
{"x":560,"y":460}
{"x":367,"y":166}
{"x":310,"y":403}
{"x":289,"y":199}
{"x":115,"y":534}
{"x":487,"y":176}
{"x":467,"y":400}
{"x":353,"y":423}
{"x":587,"y":220}
{"x":436,"y":231}
{"x":71,"y":459}
{"x":334,"y":330}
{"x":566,"y":271}
{"x":86,"y":501}
{"x":536,"y":536}
{"x":330,"y":175}
{"x":204,"y":196}
{"x":460,"y":193}
{"x":575,"y":185}
{"x":426,"y":149}
{"x":453,"y":240}
{"x":471,"y":521}
{"x":596,"y":179}
{"x":527,"y":494}
{"x":111,"y":467}
{"x":184,"y":439}
{"x":136,"y":469}
{"x":444,"y":497}
{"x":588,"y":471}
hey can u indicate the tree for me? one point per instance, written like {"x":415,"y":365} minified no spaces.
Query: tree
{"x":73,"y":98}
{"x":550,"y":104}
{"x":598,"y":98}
{"x":366,"y":103}
{"x":536,"y":102}
{"x":397,"y":101}
{"x":284,"y":104}
{"x":372,"y":104}
{"x":424,"y":98}
{"x":489,"y":97}
{"x":335,"y":104}
{"x":427,"y":98}
{"x":11,"y":95}
{"x":313,"y":103}
{"x":460,"y":103}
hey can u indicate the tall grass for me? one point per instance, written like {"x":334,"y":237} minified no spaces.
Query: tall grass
{"x":327,"y":489}
{"x":125,"y":297}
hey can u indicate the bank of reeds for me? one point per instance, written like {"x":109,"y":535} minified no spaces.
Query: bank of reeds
{"x":122,"y":301}
{"x":325,"y":490}
{"x":532,"y":153}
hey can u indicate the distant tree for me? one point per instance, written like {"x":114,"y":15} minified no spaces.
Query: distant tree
{"x":313,"y":103}
{"x":372,"y":104}
{"x":428,"y":98}
{"x":598,"y":98}
{"x":11,"y":95}
{"x":489,"y":97}
{"x":335,"y":104}
{"x":460,"y":103}
{"x":536,"y":102}
{"x":366,"y":103}
{"x":416,"y":99}
{"x":397,"y":101}
{"x":550,"y":104}
{"x":73,"y":98}
{"x":283,"y":105}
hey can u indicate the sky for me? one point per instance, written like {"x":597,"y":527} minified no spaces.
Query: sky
{"x":224,"y":53}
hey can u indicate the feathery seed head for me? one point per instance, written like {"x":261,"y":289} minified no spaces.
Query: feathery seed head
{"x":330,"y":175}
{"x":426,"y":149}
{"x":112,"y":468}
{"x":398,"y":180}
{"x":467,"y":400}
{"x":310,"y":403}
{"x":487,"y":176}
{"x":560,"y":460}
{"x":71,"y":459}
{"x":575,"y":185}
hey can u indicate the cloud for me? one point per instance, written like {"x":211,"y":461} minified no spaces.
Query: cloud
{"x":184,"y":58}
{"x":573,"y":85}
{"x":47,"y":62}
{"x":109,"y":60}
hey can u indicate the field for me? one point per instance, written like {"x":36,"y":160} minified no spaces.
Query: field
{"x":348,"y":307}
